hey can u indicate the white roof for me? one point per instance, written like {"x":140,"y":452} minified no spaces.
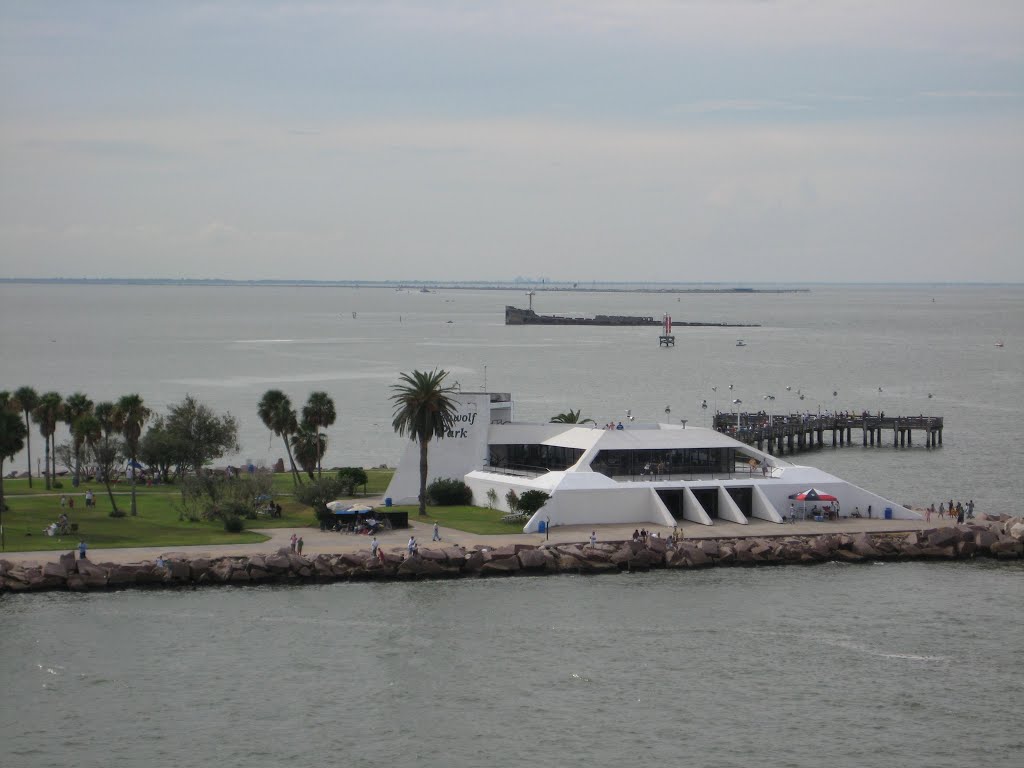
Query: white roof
{"x":659,"y":436}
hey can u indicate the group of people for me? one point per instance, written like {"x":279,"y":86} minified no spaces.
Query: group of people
{"x":957,"y":510}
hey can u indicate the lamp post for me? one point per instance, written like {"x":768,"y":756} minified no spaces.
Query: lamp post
{"x":771,"y":408}
{"x":737,"y":402}
{"x":668,"y":413}
{"x":704,"y":411}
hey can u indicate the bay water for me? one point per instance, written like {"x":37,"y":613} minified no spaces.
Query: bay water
{"x":911,"y":664}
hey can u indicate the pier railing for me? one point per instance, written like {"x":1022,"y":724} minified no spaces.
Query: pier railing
{"x":792,"y":433}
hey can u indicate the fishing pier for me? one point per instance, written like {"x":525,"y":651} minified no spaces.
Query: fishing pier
{"x":779,"y":435}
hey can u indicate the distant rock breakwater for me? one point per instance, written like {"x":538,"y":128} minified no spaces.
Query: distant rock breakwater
{"x":1000,"y":537}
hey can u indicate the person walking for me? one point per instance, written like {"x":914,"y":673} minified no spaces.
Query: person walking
{"x":82,"y":547}
{"x":593,"y":538}
{"x":374,"y":544}
{"x":437,"y":533}
{"x":411,"y":546}
{"x":293,"y":540}
{"x":298,"y":545}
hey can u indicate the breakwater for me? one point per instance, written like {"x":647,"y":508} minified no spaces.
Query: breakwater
{"x":996,"y":536}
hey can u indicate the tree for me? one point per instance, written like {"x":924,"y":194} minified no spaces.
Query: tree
{"x":531,"y":501}
{"x":319,"y":412}
{"x":75,"y":407}
{"x":201,"y":434}
{"x":570,"y":417}
{"x":276,"y":413}
{"x":12,"y":441}
{"x":47,"y":415}
{"x":351,"y":477}
{"x":308,"y":446}
{"x":104,"y":451}
{"x":424,"y":410}
{"x":27,"y":399}
{"x":160,"y":450}
{"x":130,"y":414}
{"x":317,"y":494}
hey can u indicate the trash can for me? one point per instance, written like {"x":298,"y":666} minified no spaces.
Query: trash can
{"x":387,"y":502}
{"x":888,"y":513}
{"x":542,"y":526}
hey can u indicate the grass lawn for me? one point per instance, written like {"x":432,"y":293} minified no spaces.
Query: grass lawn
{"x":157,"y":524}
{"x":469,"y":519}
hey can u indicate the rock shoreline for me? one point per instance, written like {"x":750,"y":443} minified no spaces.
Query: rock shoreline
{"x":997,"y":536}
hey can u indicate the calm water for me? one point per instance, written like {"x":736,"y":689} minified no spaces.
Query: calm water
{"x":876,"y":665}
{"x":889,"y":665}
{"x":228,"y":345}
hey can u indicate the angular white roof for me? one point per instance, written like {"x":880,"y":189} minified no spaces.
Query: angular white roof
{"x":636,"y":437}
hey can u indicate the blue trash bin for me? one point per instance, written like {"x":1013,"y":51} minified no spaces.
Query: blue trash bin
{"x":387,"y":502}
{"x":888,"y":513}
{"x":542,"y":526}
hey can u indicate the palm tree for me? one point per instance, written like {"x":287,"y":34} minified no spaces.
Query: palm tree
{"x":424,"y":410}
{"x":12,"y":440}
{"x":94,"y":431}
{"x":319,"y":412}
{"x":276,"y":413}
{"x":130,"y":414}
{"x":570,"y":417}
{"x":47,"y":415}
{"x":308,"y":445}
{"x":27,"y":399}
{"x":75,"y":407}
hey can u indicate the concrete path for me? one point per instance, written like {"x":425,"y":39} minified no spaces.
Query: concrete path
{"x":319,"y":542}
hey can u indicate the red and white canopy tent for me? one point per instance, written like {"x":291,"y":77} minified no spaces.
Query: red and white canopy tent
{"x":813,"y":494}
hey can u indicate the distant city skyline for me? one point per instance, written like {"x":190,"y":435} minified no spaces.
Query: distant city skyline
{"x":735,"y":141}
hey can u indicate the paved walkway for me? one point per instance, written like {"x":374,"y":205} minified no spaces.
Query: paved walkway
{"x":320,"y":542}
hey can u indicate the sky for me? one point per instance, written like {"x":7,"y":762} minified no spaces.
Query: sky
{"x":641,"y":140}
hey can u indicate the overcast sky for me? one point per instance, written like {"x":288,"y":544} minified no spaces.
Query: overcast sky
{"x":874,"y":140}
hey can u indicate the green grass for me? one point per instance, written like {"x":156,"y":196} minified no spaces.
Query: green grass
{"x":469,"y":519}
{"x":157,"y":524}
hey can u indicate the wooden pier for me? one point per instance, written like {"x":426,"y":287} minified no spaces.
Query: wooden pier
{"x":779,"y":435}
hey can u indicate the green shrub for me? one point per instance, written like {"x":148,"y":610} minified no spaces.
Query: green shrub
{"x":351,"y":478}
{"x":117,"y":513}
{"x":448,"y":492}
{"x":234,"y":524}
{"x":531,"y":501}
{"x":56,"y":484}
{"x":317,"y":494}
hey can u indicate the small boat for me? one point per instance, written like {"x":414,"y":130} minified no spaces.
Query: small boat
{"x":999,"y":343}
{"x":740,"y":343}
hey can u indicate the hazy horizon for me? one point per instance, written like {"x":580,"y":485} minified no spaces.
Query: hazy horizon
{"x":729,"y":141}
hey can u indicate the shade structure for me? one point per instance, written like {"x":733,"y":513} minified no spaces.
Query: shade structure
{"x":812,"y":494}
{"x":345,"y":508}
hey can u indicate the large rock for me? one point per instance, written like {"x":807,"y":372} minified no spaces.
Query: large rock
{"x":92,"y":575}
{"x":862,"y":545}
{"x":178,"y":571}
{"x":710,"y":548}
{"x":984,"y":540}
{"x":420,"y":567}
{"x":54,"y":575}
{"x":532,"y":560}
{"x":1017,"y":531}
{"x":656,"y":544}
{"x":502,"y":566}
{"x":942,"y":537}
{"x":1007,"y":549}
{"x":199,"y":568}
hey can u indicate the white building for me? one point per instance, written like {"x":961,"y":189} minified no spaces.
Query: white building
{"x":651,"y":473}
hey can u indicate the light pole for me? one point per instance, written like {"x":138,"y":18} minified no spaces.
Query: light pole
{"x":668,"y":413}
{"x":737,"y":402}
{"x":771,"y":408}
{"x":704,"y":411}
